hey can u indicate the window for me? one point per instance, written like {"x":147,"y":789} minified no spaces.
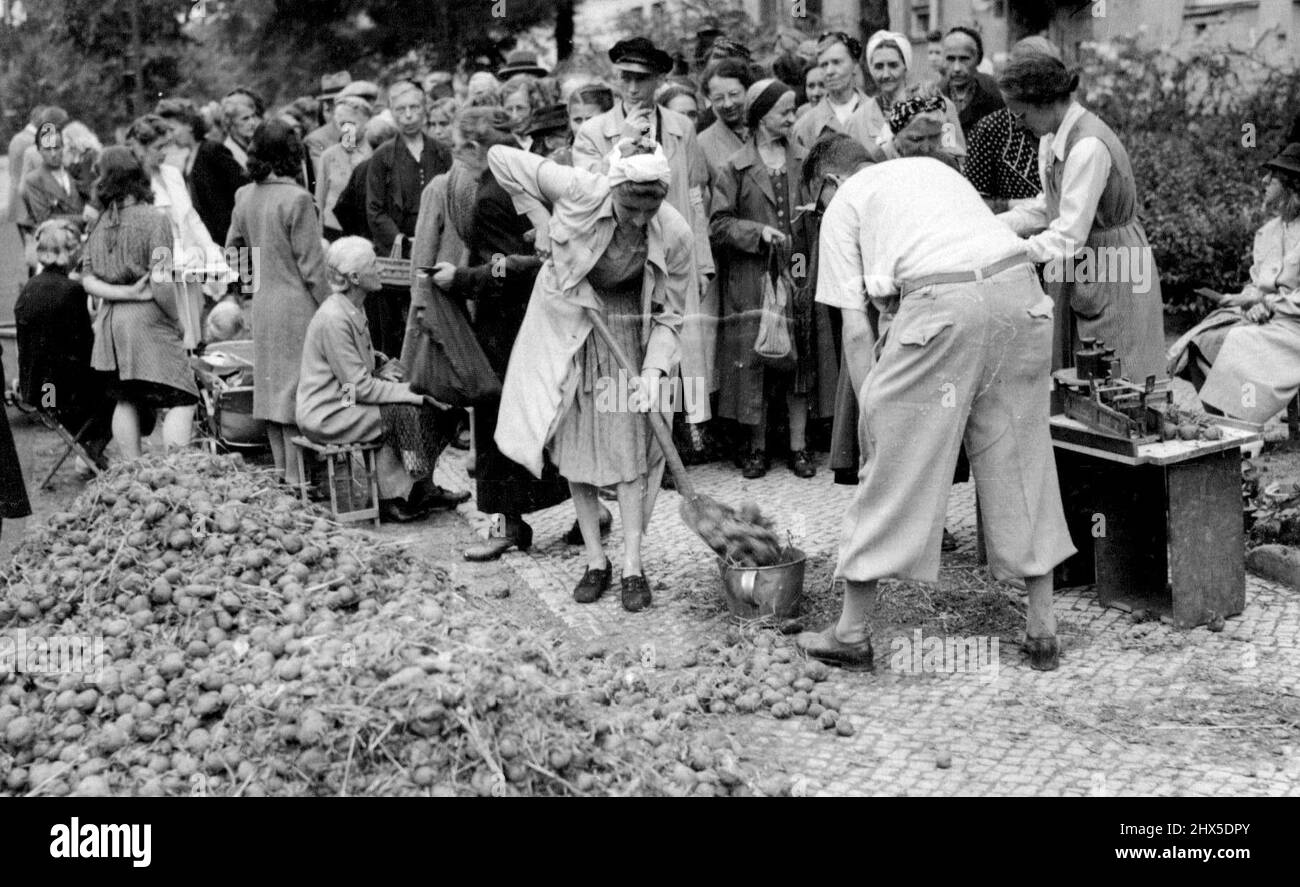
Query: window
{"x":920,"y":19}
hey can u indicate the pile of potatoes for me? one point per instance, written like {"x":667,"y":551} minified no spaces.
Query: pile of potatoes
{"x":253,"y":647}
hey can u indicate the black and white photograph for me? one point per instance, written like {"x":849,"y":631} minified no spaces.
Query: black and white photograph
{"x":652,"y":398}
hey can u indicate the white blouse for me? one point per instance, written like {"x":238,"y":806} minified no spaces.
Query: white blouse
{"x":1082,"y":182}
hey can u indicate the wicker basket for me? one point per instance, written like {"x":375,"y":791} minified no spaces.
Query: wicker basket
{"x":394,"y":270}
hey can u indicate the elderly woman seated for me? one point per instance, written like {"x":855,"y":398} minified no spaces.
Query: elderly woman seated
{"x":1245,"y":358}
{"x":344,"y":398}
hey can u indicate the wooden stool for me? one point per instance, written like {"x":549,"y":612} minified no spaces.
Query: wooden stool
{"x":368,"y":507}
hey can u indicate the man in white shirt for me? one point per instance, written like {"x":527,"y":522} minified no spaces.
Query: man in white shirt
{"x":966,"y":356}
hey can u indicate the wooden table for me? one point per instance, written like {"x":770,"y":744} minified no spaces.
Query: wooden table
{"x":1161,"y":530}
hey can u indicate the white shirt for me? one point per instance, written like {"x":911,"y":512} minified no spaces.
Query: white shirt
{"x":1082,"y":182}
{"x":65,"y":181}
{"x":845,"y":111}
{"x":241,"y":156}
{"x":902,"y":220}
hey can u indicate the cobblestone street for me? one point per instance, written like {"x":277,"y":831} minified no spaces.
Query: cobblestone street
{"x":1135,"y":709}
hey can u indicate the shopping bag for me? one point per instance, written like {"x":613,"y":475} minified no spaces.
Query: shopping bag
{"x":446,"y":361}
{"x":774,"y":344}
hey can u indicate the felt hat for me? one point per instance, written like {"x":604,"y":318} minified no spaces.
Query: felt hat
{"x":521,"y":61}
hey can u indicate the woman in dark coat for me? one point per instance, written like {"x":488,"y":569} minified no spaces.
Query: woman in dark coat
{"x":753,"y":207}
{"x":498,"y":277}
{"x":55,"y":341}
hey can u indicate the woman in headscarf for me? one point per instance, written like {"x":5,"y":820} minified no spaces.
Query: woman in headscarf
{"x":276,"y":216}
{"x":127,"y":265}
{"x":1244,"y":358}
{"x":1099,"y":266}
{"x":617,"y":247}
{"x":919,"y":124}
{"x":889,"y":61}
{"x":754,"y":203}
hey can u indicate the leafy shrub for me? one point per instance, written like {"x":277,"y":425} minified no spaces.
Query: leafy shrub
{"x":1197,"y":125}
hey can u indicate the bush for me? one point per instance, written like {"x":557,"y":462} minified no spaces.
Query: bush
{"x":1197,"y":126}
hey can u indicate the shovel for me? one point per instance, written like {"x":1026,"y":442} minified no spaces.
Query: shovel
{"x":696,"y":509}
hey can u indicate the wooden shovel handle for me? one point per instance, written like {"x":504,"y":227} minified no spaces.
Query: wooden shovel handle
{"x":658,"y":423}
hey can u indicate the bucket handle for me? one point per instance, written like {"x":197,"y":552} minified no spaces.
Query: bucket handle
{"x":747,"y":580}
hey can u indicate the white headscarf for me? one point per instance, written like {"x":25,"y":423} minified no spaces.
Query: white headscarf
{"x":904,"y":46}
{"x":638,"y":167}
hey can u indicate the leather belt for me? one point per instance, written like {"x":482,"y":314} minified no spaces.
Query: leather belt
{"x":910,"y":286}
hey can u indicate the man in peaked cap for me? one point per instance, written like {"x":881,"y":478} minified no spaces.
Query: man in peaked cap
{"x":640,"y":68}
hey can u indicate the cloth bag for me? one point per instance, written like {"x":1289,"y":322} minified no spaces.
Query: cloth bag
{"x":446,"y":361}
{"x":774,"y":344}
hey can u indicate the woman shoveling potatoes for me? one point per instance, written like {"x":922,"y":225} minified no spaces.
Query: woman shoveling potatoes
{"x":614,"y":246}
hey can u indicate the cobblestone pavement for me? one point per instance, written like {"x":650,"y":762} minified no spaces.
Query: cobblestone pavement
{"x":1135,"y":709}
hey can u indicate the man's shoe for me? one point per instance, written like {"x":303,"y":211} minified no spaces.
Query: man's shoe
{"x":801,"y":464}
{"x":520,"y":536}
{"x":574,"y":535}
{"x":755,"y":465}
{"x":1044,"y":653}
{"x":399,"y":511}
{"x":825,"y":646}
{"x":636,"y":593}
{"x":592,"y":585}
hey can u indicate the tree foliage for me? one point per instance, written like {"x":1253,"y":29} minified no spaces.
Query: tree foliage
{"x":79,"y":53}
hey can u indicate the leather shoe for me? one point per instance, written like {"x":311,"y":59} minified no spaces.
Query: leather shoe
{"x":592,"y":585}
{"x":519,"y":536}
{"x":636,"y":593}
{"x":398,"y":511}
{"x":574,"y":535}
{"x":755,"y":464}
{"x":430,"y":495}
{"x":1044,"y":653}
{"x":825,"y":646}
{"x":801,"y":464}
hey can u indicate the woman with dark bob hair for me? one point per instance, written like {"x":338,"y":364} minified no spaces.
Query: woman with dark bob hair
{"x":275,"y":216}
{"x":1099,"y":266}
{"x":137,"y":331}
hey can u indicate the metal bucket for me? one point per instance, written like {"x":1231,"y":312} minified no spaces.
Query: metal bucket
{"x":752,"y":592}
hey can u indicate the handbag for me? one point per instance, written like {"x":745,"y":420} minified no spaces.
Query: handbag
{"x":774,"y":344}
{"x":446,"y":361}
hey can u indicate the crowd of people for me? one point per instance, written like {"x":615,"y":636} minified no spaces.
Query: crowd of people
{"x":656,"y":216}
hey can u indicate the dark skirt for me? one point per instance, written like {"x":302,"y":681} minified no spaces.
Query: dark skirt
{"x":503,"y":486}
{"x":386,"y":313}
{"x":13,"y":491}
{"x":146,"y":397}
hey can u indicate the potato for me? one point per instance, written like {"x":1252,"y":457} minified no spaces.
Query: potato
{"x":1188,"y":431}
